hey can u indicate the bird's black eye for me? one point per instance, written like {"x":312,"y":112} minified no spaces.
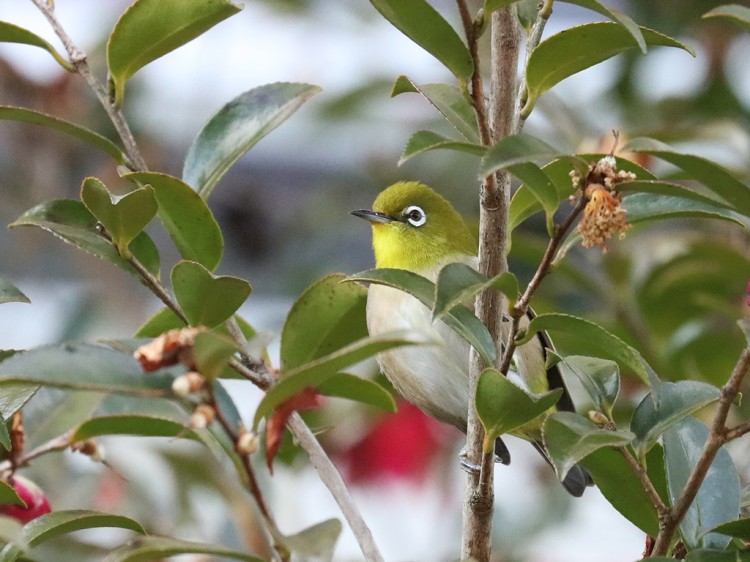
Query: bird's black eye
{"x":415,"y":216}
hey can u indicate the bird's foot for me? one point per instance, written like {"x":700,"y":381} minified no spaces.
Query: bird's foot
{"x":466,"y":464}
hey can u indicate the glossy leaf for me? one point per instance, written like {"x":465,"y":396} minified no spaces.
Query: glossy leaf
{"x":712,"y":555}
{"x":351,"y":387}
{"x":460,"y":318}
{"x":157,"y":548}
{"x":569,"y":438}
{"x":188,"y":220}
{"x":739,"y":529}
{"x":14,"y":397}
{"x":212,"y":352}
{"x":10,"y":293}
{"x":207,"y":300}
{"x":57,"y":523}
{"x":130,"y":424}
{"x":448,"y":100}
{"x":718,"y":499}
{"x":149,"y":29}
{"x":10,"y":33}
{"x":10,"y":113}
{"x":644,"y":207}
{"x":516,"y":149}
{"x":424,"y":141}
{"x":421,"y":23}
{"x":458,"y":284}
{"x":714,"y":177}
{"x":599,"y":377}
{"x":615,"y":15}
{"x":594,"y":334}
{"x":162,"y":321}
{"x":83,"y":366}
{"x":327,"y":316}
{"x":123,"y":219}
{"x":319,"y":370}
{"x":8,"y":495}
{"x":503,"y":407}
{"x":740,"y":14}
{"x":237,"y":127}
{"x":72,"y":222}
{"x":676,"y":401}
{"x":580,"y":47}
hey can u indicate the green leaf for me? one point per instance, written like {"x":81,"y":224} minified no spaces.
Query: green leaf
{"x":352,"y":387}
{"x":56,"y":523}
{"x":460,"y":318}
{"x":710,"y":555}
{"x":161,"y":322}
{"x":10,"y":113}
{"x":10,"y":293}
{"x":130,"y":424}
{"x":207,"y":300}
{"x":458,"y":284}
{"x":316,"y":542}
{"x":616,"y":15}
{"x":644,"y":207}
{"x":718,"y":499}
{"x":123,"y":219}
{"x":212,"y":351}
{"x":739,"y":529}
{"x":421,"y":23}
{"x":423,"y":141}
{"x":188,"y":220}
{"x":327,"y":316}
{"x":600,"y":378}
{"x":83,"y":366}
{"x":72,"y":222}
{"x":9,"y":496}
{"x":740,"y":14}
{"x":237,"y":127}
{"x":318,"y":371}
{"x":448,"y":100}
{"x":676,"y":402}
{"x":150,"y":29}
{"x":569,"y":438}
{"x":14,"y":397}
{"x":714,"y":177}
{"x":516,"y":149}
{"x":594,"y":334}
{"x":580,"y":47}
{"x":503,"y":407}
{"x":10,"y":33}
{"x":158,"y":548}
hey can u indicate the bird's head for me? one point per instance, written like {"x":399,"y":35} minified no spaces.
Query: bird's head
{"x":416,"y":229}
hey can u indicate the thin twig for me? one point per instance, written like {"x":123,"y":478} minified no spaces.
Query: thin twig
{"x":648,"y":486}
{"x":717,"y":436}
{"x":56,"y":444}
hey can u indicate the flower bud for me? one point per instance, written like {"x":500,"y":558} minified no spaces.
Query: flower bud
{"x":36,"y":502}
{"x":188,"y":383}
{"x":202,"y":416}
{"x":598,"y":418}
{"x":90,"y":448}
{"x":248,"y":443}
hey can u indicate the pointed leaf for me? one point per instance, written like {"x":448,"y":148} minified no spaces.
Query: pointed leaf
{"x":212,"y":352}
{"x":600,"y":378}
{"x":718,"y":499}
{"x":207,"y":300}
{"x":58,"y":523}
{"x":714,"y":177}
{"x":327,"y":316}
{"x":460,"y":318}
{"x":158,"y":548}
{"x":644,"y":207}
{"x":448,"y":100}
{"x":580,"y":47}
{"x":352,"y":387}
{"x":161,"y":322}
{"x":421,"y":23}
{"x":676,"y":402}
{"x":188,"y":220}
{"x":319,"y":370}
{"x":569,"y":438}
{"x":14,"y":397}
{"x":96,"y":140}
{"x":504,"y":407}
{"x":615,"y":15}
{"x":237,"y":127}
{"x":423,"y":141}
{"x":458,"y":284}
{"x":740,"y":14}
{"x":316,"y":542}
{"x":130,"y":424}
{"x":516,"y":149}
{"x":594,"y":334}
{"x":72,"y":222}
{"x":10,"y":293}
{"x":739,"y":529}
{"x":150,"y":29}
{"x":10,"y":33}
{"x":8,"y":495}
{"x":123,"y":219}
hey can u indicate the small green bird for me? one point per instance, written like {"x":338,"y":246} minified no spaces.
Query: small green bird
{"x":415,"y":229}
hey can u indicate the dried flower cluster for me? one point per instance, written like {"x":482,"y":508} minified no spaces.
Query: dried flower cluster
{"x":170,"y":348}
{"x":603,"y":215}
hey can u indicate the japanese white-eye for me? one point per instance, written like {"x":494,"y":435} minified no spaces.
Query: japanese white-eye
{"x":416,"y":229}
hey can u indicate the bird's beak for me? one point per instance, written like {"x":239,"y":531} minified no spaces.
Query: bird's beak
{"x":374,"y":217}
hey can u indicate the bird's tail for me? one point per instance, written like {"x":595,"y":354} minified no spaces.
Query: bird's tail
{"x":577,"y":479}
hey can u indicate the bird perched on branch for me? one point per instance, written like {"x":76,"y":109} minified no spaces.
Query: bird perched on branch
{"x":415,"y":229}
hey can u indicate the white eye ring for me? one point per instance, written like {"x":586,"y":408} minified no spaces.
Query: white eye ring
{"x":415,"y":216}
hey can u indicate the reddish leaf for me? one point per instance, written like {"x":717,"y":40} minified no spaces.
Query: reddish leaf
{"x":308,"y":399}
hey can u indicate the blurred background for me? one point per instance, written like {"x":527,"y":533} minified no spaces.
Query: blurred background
{"x":674,"y":289}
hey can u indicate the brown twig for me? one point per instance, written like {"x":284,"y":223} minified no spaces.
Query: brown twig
{"x":648,"y":486}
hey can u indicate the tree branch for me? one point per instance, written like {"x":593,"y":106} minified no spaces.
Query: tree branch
{"x":648,"y":486}
{"x":522,"y":112}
